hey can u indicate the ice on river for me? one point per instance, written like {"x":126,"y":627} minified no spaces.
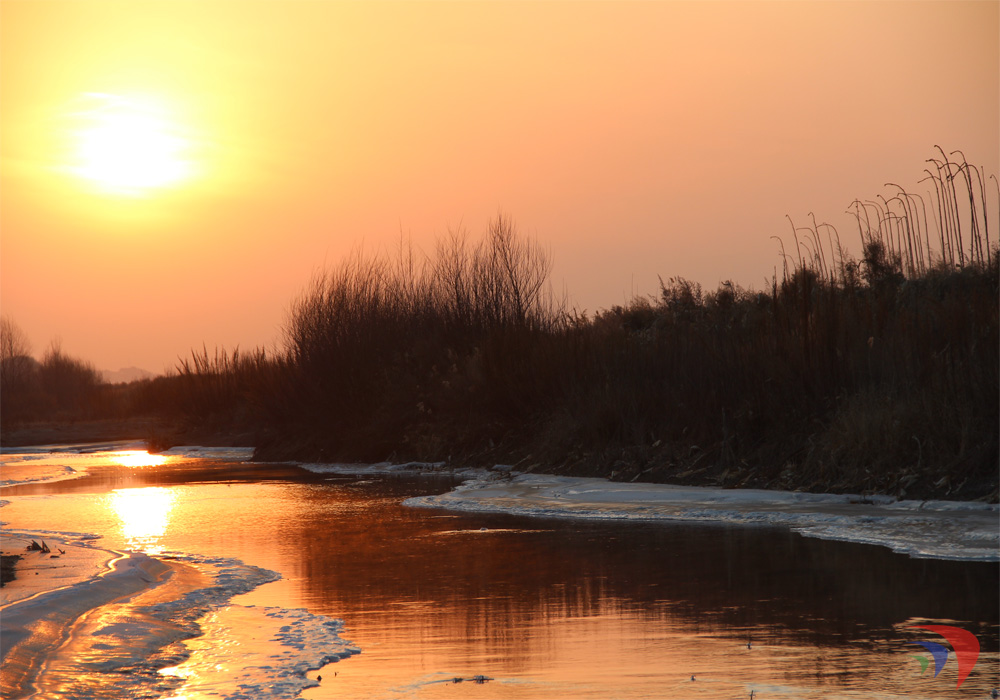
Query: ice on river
{"x":199,"y":644}
{"x":183,"y":636}
{"x":967,"y":531}
{"x":28,"y":465}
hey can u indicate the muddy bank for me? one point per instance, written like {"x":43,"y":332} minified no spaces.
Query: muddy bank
{"x":709,"y":466}
{"x":8,"y":568}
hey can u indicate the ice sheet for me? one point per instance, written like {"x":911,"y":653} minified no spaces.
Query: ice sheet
{"x":34,"y":467}
{"x":275,"y":648}
{"x":70,"y":560}
{"x":241,"y":454}
{"x":968,"y":531}
{"x":117,"y":644}
{"x":411,"y":468}
{"x":187,"y":641}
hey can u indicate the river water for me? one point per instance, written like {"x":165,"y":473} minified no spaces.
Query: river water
{"x":543,"y":607}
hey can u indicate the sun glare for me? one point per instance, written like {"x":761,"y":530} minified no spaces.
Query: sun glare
{"x":137,"y":458}
{"x":144,"y":514}
{"x":129,"y":146}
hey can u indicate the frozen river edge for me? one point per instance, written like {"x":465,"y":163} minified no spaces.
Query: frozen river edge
{"x":122,"y":620}
{"x":955,"y":530}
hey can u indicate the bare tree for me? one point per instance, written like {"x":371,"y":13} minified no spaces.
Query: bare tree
{"x":13,"y":340}
{"x":17,"y":371}
{"x":511,"y":273}
{"x":15,"y":355}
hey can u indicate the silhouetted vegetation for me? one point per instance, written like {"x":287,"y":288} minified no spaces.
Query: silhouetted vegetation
{"x":383,"y":348}
{"x":877,"y":374}
{"x":59,"y":387}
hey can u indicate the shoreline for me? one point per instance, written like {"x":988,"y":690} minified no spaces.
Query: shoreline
{"x":921,"y":528}
{"x":655,"y":464}
{"x":38,"y":614}
{"x":955,"y":530}
{"x":78,"y":432}
{"x":56,"y":659}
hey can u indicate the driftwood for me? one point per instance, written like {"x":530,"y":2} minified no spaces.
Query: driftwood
{"x":35,"y":547}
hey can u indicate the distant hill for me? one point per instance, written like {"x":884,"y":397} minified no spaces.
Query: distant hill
{"x":125,"y":375}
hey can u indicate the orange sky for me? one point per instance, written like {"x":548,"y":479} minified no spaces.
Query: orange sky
{"x":632,"y":139}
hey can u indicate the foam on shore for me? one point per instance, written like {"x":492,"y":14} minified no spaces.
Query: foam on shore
{"x":966,"y":531}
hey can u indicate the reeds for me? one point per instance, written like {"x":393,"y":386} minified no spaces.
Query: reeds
{"x":951,"y":228}
{"x":877,"y":374}
{"x":373,"y":342}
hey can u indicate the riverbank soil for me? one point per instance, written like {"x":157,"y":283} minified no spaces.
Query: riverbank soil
{"x":8,"y":562}
{"x":530,"y":452}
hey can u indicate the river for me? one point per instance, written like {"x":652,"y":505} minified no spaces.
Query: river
{"x":419,"y":602}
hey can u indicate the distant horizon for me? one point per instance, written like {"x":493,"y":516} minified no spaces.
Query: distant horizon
{"x":172,"y":174}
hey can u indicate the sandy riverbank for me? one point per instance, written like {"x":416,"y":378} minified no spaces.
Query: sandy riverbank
{"x":53,"y":591}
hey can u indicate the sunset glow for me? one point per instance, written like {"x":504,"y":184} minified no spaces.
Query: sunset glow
{"x":129,"y":146}
{"x":245,"y":145}
{"x":137,"y":458}
{"x":487,"y":333}
{"x":144,"y":515}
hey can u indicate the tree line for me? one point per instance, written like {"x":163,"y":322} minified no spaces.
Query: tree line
{"x":870,"y":374}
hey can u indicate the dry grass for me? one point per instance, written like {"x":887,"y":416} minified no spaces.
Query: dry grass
{"x":877,"y":374}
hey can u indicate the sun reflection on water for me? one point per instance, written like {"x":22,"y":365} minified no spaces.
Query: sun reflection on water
{"x":137,"y":458}
{"x":144,"y":515}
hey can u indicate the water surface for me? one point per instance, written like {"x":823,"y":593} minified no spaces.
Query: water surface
{"x":545,"y":607}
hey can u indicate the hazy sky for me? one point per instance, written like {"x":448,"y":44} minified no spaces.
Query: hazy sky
{"x":173,"y":173}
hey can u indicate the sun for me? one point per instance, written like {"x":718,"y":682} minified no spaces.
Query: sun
{"x":129,"y":145}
